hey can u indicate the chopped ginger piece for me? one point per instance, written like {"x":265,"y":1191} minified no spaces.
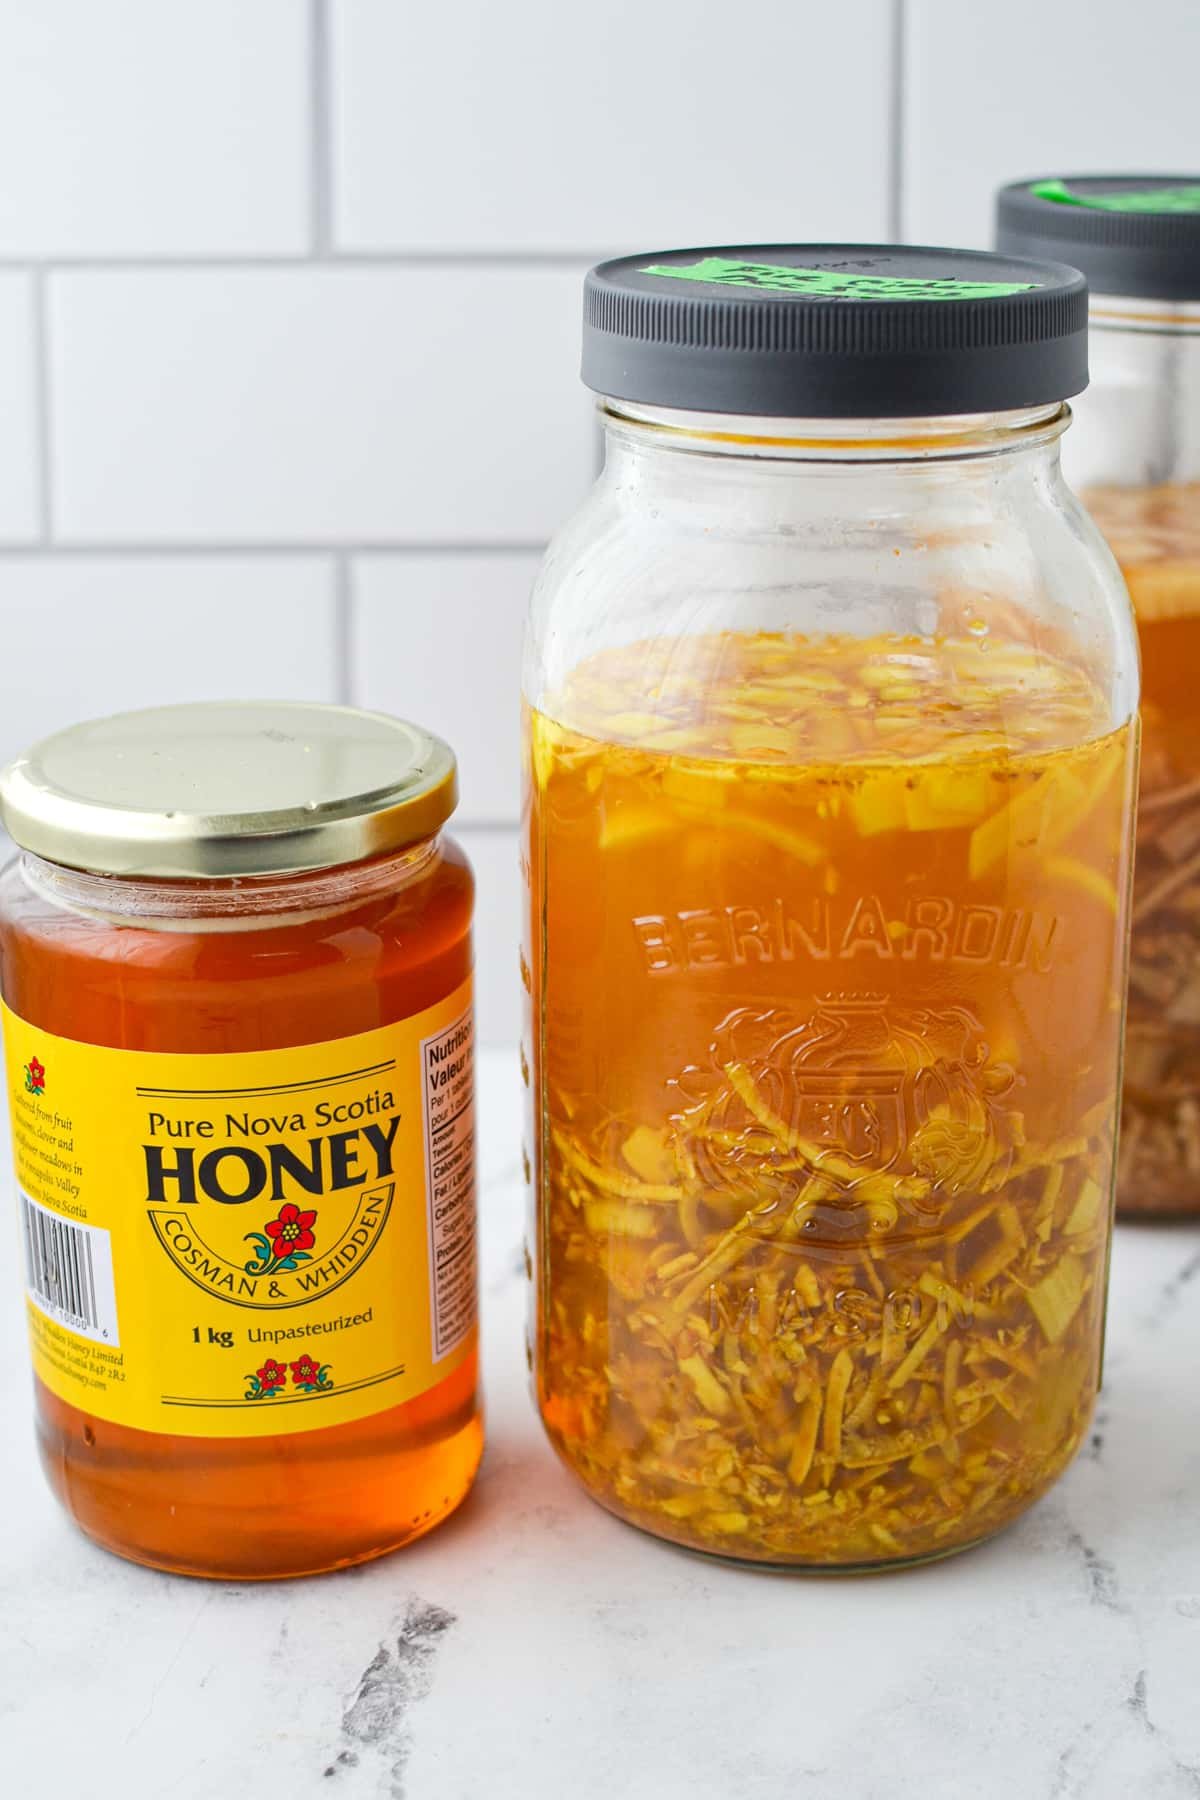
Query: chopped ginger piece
{"x":1055,"y":1300}
{"x":917,"y":1354}
{"x":711,"y":1394}
{"x":804,"y":1443}
{"x":646,"y":1152}
{"x":840,"y":1375}
{"x":1088,"y":880}
{"x":1086,"y":1210}
{"x":615,"y":1184}
{"x":620,"y":1218}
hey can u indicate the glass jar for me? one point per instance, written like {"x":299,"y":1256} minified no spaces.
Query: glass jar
{"x":1135,"y":459}
{"x":235,"y":956}
{"x":830,"y":729}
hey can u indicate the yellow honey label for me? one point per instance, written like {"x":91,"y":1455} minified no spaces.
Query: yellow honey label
{"x":238,"y":1245}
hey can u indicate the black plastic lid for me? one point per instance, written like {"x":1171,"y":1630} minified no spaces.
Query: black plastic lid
{"x":834,"y":331}
{"x":1130,"y":234}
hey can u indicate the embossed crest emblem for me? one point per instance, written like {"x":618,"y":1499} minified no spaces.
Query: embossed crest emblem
{"x":867,"y":1111}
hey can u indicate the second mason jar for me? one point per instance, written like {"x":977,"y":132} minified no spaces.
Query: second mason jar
{"x":831,"y":694}
{"x":1136,"y":461}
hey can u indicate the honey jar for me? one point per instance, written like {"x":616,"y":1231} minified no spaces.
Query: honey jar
{"x":235,"y":955}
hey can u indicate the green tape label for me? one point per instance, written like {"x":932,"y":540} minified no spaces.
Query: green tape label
{"x":1144,"y":200}
{"x":784,"y":278}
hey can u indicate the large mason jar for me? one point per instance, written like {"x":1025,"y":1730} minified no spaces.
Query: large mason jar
{"x":1135,"y":458}
{"x":830,"y":729}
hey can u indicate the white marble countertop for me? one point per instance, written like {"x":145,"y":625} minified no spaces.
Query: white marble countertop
{"x":535,"y":1647}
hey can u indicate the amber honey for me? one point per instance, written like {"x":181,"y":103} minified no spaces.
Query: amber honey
{"x":826,"y":956}
{"x":275,"y":1505}
{"x":239,"y":1067}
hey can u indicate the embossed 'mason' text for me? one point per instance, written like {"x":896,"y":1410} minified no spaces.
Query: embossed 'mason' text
{"x":933,"y":928}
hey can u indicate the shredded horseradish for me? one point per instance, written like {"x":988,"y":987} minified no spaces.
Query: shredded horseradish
{"x":1155,"y":534}
{"x":827,"y":945}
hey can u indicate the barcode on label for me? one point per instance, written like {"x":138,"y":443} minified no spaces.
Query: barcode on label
{"x":69,"y":1272}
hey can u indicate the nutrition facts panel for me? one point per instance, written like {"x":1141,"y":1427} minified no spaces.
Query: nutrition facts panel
{"x":448,"y":1080}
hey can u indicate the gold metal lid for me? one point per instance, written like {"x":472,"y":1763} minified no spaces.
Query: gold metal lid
{"x":228,"y":788}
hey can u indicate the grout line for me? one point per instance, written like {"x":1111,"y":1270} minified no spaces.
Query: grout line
{"x":118,"y":552}
{"x":895,"y":196}
{"x":446,"y":547}
{"x":343,"y":629}
{"x":225,"y":264}
{"x":43,"y":425}
{"x":320,"y":166}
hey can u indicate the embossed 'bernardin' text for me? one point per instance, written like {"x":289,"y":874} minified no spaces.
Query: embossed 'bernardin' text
{"x":931,"y":928}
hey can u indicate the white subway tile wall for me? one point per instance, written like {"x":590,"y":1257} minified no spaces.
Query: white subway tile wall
{"x":493,"y":856}
{"x":316,"y":405}
{"x":290,"y":298}
{"x":438,"y":637}
{"x":20,"y":440}
{"x":995,"y":93}
{"x":135,"y":128}
{"x":653,"y":121}
{"x":86,"y":635}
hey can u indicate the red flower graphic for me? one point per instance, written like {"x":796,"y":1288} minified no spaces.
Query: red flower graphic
{"x":284,"y":1243}
{"x":310,"y":1376}
{"x":35,"y":1076}
{"x":269,"y":1381}
{"x":266,"y":1382}
{"x":291,"y":1231}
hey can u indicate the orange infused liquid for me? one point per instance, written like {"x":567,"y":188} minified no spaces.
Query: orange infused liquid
{"x":826,"y":963}
{"x":1155,"y":536}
